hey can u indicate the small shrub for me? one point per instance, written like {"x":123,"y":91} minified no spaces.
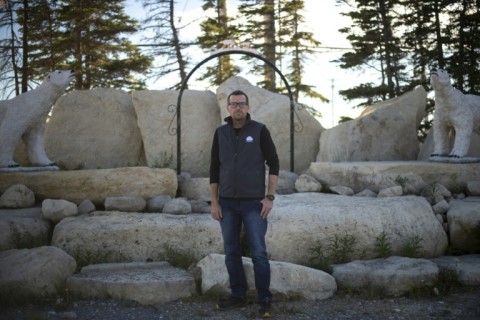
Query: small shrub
{"x":339,"y":250}
{"x":412,"y":248}
{"x":401,"y":181}
{"x":319,"y":260}
{"x":383,"y":249}
{"x":341,"y":247}
{"x":178,"y":258}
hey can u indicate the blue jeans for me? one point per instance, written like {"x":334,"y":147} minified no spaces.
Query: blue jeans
{"x":234,"y":213}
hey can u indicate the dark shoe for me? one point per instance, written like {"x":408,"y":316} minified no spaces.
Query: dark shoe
{"x":265,"y":309}
{"x":231,"y":302}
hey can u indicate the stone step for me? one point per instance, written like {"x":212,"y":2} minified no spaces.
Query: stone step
{"x":147,"y":283}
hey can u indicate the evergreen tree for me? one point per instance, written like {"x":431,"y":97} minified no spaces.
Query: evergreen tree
{"x":215,"y":30}
{"x":375,"y":45}
{"x":102,"y":54}
{"x":10,"y":55}
{"x":463,"y":34}
{"x":257,"y":26}
{"x":299,"y":44}
{"x":87,"y":36}
{"x":275,"y":29}
{"x":424,"y":40}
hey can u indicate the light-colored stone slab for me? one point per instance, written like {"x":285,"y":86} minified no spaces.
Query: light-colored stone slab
{"x":394,"y":275}
{"x":377,"y":175}
{"x":95,"y":185}
{"x":286,"y":278}
{"x":145,"y":282}
{"x":303,"y":221}
{"x":137,"y":236}
{"x":297,"y":223}
{"x":466,"y":268}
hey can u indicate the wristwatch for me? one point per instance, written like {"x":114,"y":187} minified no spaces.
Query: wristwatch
{"x":270,"y":197}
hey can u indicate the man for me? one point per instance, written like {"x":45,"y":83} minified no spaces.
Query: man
{"x":240,"y":149}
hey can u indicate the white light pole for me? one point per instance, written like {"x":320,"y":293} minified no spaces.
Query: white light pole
{"x":333,"y":87}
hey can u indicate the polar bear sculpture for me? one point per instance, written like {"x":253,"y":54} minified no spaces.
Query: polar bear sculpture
{"x":453,"y":110}
{"x":24,"y":117}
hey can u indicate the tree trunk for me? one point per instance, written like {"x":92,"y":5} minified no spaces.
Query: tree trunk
{"x":270,"y":44}
{"x":12,"y":50}
{"x":176,"y":44}
{"x":25,"y":47}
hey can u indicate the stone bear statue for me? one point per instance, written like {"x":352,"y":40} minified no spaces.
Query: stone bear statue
{"x":453,"y":110}
{"x":24,"y":117}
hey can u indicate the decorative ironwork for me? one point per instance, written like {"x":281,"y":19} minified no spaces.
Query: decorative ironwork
{"x":299,"y":124}
{"x":171,"y":129}
{"x":228,"y":49}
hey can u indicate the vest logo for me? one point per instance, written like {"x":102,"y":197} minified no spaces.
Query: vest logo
{"x":249,"y":139}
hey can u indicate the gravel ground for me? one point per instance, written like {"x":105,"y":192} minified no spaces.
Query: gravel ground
{"x":463,"y":304}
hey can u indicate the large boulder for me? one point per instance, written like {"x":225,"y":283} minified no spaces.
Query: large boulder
{"x":301,"y":223}
{"x":392,"y":276}
{"x":95,"y":185}
{"x":158,"y":124}
{"x":466,"y":268}
{"x":287,"y":279}
{"x":23,"y":228}
{"x":92,"y":129}
{"x":383,"y":132}
{"x":34,"y":273}
{"x":413,"y":176}
{"x":464,"y":224}
{"x":147,"y":283}
{"x":274,"y":110}
{"x":138,"y":236}
{"x":298,"y":224}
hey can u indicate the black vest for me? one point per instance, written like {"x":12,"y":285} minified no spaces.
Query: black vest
{"x":242,"y":165}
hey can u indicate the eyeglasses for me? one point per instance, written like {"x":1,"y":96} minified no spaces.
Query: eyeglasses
{"x":238,"y":104}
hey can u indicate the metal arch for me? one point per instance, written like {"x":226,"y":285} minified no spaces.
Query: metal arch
{"x":223,"y":53}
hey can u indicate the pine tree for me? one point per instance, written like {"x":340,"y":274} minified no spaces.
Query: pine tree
{"x":87,"y":36}
{"x":215,"y":30}
{"x":257,"y":26}
{"x":463,"y":34}
{"x":375,"y":44}
{"x":299,"y":45}
{"x":10,"y":55}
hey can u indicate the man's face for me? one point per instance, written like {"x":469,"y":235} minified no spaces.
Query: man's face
{"x":238,"y":107}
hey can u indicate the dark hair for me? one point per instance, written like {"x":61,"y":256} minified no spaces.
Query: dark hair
{"x":237,"y":93}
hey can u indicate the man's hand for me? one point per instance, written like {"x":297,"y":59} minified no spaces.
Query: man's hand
{"x":216,"y":211}
{"x":266,"y":208}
